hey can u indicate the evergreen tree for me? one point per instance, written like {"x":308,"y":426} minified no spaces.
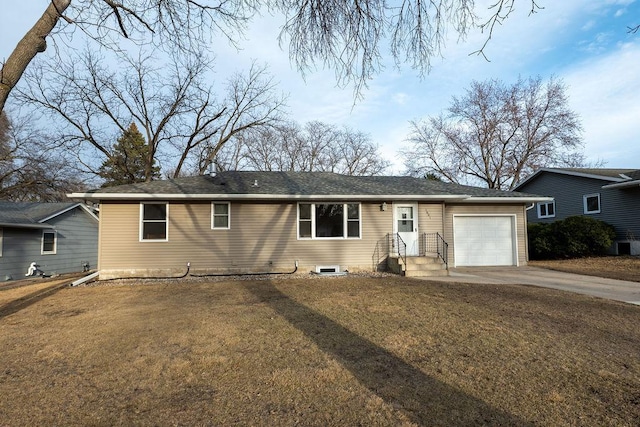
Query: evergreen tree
{"x":127,"y":164}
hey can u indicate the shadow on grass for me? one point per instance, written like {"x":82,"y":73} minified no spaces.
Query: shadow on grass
{"x":423,"y":399}
{"x":28,"y":300}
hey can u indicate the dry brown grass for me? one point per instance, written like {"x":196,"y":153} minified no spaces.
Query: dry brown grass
{"x":333,"y":351}
{"x":612,"y":267}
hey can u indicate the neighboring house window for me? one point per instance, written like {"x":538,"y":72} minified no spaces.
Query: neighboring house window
{"x":329,"y":220}
{"x":154,"y":221}
{"x":546,"y":210}
{"x":591,"y":203}
{"x":220,"y":213}
{"x":49,"y":241}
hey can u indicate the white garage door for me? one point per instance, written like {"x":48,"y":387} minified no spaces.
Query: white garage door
{"x":483,"y":240}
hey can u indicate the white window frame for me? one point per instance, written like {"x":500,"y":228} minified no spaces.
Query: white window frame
{"x":142,"y":221}
{"x":228,"y":215}
{"x":584,"y":203}
{"x":546,"y":205}
{"x":345,"y":220}
{"x":55,"y":242}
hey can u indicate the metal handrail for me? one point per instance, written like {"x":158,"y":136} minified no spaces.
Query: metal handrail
{"x":443,"y":250}
{"x":401,"y":246}
{"x":435,"y":243}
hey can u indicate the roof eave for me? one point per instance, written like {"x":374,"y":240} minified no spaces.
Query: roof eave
{"x":19,"y":225}
{"x":182,"y":196}
{"x":626,"y":184}
{"x":508,"y":200}
{"x":570,"y":173}
{"x":62,"y":211}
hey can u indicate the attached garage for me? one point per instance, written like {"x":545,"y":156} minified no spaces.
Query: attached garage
{"x":484,"y":240}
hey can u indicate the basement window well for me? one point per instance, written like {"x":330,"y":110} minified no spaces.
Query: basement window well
{"x":327,"y":269}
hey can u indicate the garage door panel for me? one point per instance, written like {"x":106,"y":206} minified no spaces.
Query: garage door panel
{"x":484,"y":241}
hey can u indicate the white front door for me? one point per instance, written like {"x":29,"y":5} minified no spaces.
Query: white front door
{"x":406,"y":225}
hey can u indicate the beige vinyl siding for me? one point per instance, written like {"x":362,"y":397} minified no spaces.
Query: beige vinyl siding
{"x":464,"y":209}
{"x":430,"y":218}
{"x":262,"y":237}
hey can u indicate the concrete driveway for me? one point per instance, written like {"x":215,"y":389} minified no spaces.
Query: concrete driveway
{"x":618,"y":290}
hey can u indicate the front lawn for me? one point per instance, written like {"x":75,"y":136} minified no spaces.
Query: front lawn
{"x":384,"y":351}
{"x":611,"y":267}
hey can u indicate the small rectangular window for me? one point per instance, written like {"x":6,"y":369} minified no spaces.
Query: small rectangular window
{"x":547,"y":210}
{"x":48,"y":242}
{"x":591,"y":203}
{"x":220,"y":216}
{"x":353,"y":220}
{"x":154,"y":221}
{"x":304,"y":220}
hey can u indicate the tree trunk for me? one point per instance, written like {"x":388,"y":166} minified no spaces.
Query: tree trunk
{"x":31,"y":44}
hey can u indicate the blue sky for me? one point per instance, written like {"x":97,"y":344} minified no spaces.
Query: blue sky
{"x":583,"y":42}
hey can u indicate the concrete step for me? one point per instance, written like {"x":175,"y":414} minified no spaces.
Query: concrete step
{"x":418,"y":266}
{"x":422,"y":260}
{"x":430,"y":273}
{"x":425,"y":267}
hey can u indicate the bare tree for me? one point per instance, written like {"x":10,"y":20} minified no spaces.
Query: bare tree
{"x":176,"y":111}
{"x":347,"y":35}
{"x":497,"y":134}
{"x":28,"y":171}
{"x":317,"y":147}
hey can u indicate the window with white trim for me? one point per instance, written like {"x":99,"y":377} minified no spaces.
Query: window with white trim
{"x":329,"y":221}
{"x":49,"y":242}
{"x":154,"y":222}
{"x":547,"y":209}
{"x":220,"y":216}
{"x":591,"y":203}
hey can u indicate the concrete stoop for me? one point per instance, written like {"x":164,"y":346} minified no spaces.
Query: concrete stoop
{"x":418,"y":266}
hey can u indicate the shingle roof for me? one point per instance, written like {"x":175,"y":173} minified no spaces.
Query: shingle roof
{"x":610,"y":173}
{"x":615,"y":177}
{"x":295,"y":184}
{"x":30,"y":213}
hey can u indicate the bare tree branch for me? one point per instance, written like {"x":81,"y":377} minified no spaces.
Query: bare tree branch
{"x":172,"y":106}
{"x":497,"y":134}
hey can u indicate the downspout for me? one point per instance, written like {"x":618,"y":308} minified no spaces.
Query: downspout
{"x":247,"y":274}
{"x":182,"y":276}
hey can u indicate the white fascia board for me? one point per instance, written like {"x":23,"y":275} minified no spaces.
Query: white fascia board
{"x":509,"y":200}
{"x":180,"y":196}
{"x":35,"y":226}
{"x":625,"y":184}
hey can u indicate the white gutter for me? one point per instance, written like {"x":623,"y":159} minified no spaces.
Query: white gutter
{"x":182,"y":196}
{"x":635,"y":183}
{"x":36,"y":226}
{"x":476,"y":199}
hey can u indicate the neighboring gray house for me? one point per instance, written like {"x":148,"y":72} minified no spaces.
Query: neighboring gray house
{"x":609,"y":195}
{"x":58,"y":237}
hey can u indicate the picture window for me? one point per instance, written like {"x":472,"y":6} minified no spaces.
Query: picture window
{"x":329,"y":220}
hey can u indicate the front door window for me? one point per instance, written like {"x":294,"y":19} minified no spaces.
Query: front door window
{"x":405,"y":219}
